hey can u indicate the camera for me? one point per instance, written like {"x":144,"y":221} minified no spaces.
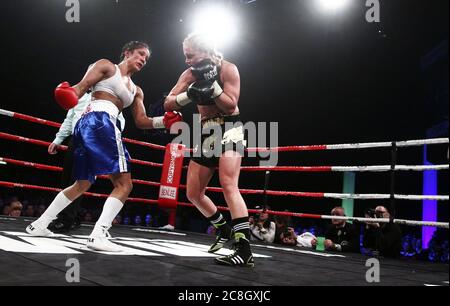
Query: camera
{"x":372,"y":213}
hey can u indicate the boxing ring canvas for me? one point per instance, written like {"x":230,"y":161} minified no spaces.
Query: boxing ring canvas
{"x":154,"y":257}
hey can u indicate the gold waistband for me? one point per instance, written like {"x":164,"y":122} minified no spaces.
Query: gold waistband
{"x":221,"y":120}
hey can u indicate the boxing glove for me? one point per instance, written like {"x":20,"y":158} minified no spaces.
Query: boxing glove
{"x":166,"y":121}
{"x":66,"y":96}
{"x":206,"y":70}
{"x":204,"y":92}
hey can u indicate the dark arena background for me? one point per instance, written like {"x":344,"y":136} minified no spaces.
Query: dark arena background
{"x":357,"y":94}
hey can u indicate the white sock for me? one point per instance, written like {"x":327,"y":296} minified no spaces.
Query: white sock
{"x":59,"y":203}
{"x":111,"y":209}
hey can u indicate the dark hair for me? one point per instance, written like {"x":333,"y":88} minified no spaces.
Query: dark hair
{"x":133,"y":45}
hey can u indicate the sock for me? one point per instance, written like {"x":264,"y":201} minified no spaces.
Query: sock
{"x":219,"y":222}
{"x":111,"y":209}
{"x":241,"y":229}
{"x":59,"y":203}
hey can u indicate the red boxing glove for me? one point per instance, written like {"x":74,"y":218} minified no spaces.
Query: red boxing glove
{"x":171,"y":118}
{"x":66,"y":96}
{"x":166,"y":121}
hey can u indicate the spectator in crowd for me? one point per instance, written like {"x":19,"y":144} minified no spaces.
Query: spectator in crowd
{"x":5,"y":210}
{"x":29,"y":211}
{"x":40,"y":210}
{"x":408,"y":246}
{"x":290,"y":238}
{"x":281,"y":224}
{"x":148,"y":220}
{"x":137,"y":220}
{"x":438,"y":247}
{"x":88,"y":217}
{"x":15,"y":208}
{"x":126,"y":220}
{"x":383,"y":239}
{"x":262,"y":228}
{"x":341,"y":235}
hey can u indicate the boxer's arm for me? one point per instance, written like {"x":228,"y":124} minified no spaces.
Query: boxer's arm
{"x":177,"y":97}
{"x":96,"y":72}
{"x":228,"y":100}
{"x":65,"y":129}
{"x":141,"y":119}
{"x":144,"y":122}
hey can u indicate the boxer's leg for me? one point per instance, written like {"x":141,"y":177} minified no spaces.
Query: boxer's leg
{"x":69,"y":217}
{"x":61,"y":201}
{"x":198,"y":179}
{"x":229,"y":170}
{"x":98,"y":240}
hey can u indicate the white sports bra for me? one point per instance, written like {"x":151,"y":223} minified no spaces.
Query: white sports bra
{"x":116,"y":87}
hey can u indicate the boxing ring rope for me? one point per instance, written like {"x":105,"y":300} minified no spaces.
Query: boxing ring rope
{"x":370,"y":145}
{"x":52,"y":189}
{"x":276,"y":213}
{"x":64,"y":148}
{"x":58,"y":125}
{"x":346,"y":169}
{"x":262,"y":169}
{"x":391,"y":168}
{"x":258,"y":192}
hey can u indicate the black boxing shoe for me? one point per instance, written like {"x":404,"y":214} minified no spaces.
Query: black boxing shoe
{"x":224,"y":235}
{"x":76,"y":224}
{"x":60,"y":227}
{"x":242,"y":256}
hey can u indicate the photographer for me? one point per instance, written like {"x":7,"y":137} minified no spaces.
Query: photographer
{"x":382,"y":238}
{"x":261,"y":228}
{"x":341,"y":236}
{"x":305,"y":240}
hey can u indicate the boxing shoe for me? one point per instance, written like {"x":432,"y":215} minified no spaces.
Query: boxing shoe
{"x":223,"y":236}
{"x":59,"y":227}
{"x":39,"y":227}
{"x":242,"y":256}
{"x":63,"y":226}
{"x":99,"y":240}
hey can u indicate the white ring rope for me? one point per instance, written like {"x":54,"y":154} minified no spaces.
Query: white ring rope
{"x":389,"y":168}
{"x":409,"y":143}
{"x":385,"y":197}
{"x":384,"y":220}
{"x":6,"y":113}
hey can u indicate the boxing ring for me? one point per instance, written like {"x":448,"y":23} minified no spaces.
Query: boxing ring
{"x":164,"y":258}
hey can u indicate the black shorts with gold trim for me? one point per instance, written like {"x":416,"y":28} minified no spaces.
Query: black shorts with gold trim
{"x":219,"y":135}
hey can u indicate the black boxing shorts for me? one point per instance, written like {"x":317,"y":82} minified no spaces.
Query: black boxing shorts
{"x":219,"y":135}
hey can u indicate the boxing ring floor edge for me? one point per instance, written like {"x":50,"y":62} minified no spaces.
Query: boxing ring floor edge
{"x":154,"y":257}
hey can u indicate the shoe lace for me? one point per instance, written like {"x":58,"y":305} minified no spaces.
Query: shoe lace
{"x":105,"y":232}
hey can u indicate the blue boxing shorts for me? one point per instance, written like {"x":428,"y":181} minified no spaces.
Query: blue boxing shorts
{"x":98,"y":146}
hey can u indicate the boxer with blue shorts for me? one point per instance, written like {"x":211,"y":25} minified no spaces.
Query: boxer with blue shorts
{"x":98,"y":146}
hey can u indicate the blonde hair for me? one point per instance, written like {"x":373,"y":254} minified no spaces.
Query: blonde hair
{"x":202,"y":43}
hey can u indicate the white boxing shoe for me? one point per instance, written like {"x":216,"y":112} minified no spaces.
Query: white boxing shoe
{"x":99,"y":241}
{"x":103,"y":244}
{"x":39,"y":228}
